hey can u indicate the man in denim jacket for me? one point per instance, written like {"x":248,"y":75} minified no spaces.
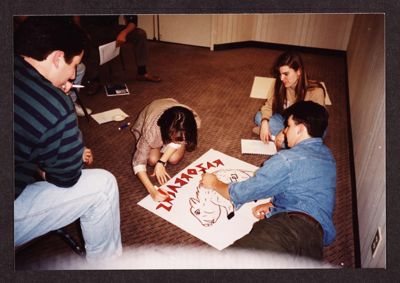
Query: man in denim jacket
{"x":302,"y":183}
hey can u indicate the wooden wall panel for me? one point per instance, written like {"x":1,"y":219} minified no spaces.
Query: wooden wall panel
{"x":366,"y":76}
{"x":233,"y":28}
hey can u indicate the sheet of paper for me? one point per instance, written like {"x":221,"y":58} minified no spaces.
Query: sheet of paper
{"x":263,"y":87}
{"x":258,"y":147}
{"x":201,"y":211}
{"x":327,"y":99}
{"x":110,"y":115}
{"x":108,"y":51}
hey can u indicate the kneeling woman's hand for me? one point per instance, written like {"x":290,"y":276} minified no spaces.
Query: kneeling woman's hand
{"x":158,"y":194}
{"x":161,"y":174}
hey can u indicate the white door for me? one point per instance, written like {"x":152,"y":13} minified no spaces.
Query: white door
{"x":185,"y":29}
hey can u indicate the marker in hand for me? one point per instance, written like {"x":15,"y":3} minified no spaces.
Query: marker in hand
{"x":123,"y":126}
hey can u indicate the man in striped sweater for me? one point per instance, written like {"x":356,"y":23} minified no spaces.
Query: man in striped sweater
{"x":51,"y":188}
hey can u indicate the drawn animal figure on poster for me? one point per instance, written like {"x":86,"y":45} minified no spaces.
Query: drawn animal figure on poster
{"x":208,"y":204}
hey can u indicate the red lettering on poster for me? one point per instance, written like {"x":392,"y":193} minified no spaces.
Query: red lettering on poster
{"x":180,"y":182}
{"x":209,"y":165}
{"x":218,"y":162}
{"x":186,"y":177}
{"x":202,"y":169}
{"x":192,"y":171}
{"x":161,"y":205}
{"x":183,"y":180}
{"x":173,"y":188}
{"x":168,"y":200}
{"x":171,"y":194}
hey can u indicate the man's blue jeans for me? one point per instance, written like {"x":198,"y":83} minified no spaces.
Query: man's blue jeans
{"x":43,"y":207}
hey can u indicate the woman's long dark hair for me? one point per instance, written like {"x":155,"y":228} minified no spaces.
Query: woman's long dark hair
{"x":178,"y":124}
{"x":294,"y":61}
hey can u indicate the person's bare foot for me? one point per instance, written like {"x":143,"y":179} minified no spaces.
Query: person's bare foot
{"x":149,"y":78}
{"x":256,"y":130}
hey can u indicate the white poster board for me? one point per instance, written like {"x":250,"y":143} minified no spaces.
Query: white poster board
{"x":202,"y":212}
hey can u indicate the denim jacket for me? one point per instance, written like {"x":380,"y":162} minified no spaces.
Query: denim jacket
{"x":302,"y":178}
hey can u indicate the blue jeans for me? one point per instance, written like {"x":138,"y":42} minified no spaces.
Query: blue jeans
{"x":44,"y":207}
{"x":276,"y":122}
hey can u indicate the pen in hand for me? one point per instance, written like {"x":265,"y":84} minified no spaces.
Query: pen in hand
{"x":123,"y":126}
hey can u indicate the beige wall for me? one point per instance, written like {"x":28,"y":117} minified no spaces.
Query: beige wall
{"x":331,"y":31}
{"x":366,"y":76}
{"x":184,"y":29}
{"x":233,"y":28}
{"x":146,"y":22}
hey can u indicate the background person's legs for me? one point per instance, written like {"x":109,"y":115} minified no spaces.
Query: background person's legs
{"x":80,"y":72}
{"x":138,"y":38}
{"x":43,"y":207}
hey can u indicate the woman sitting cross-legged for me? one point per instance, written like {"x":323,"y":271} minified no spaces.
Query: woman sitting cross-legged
{"x":292,"y":85}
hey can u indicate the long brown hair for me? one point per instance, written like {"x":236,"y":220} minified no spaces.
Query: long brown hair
{"x":178,"y":124}
{"x":294,"y":61}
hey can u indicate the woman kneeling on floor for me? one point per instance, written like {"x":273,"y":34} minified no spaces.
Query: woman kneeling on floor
{"x":164,"y":130}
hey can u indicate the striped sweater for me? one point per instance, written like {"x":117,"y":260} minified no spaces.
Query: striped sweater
{"x":46,"y":133}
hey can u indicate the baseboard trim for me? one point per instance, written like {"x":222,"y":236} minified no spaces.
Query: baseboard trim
{"x":276,"y":46}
